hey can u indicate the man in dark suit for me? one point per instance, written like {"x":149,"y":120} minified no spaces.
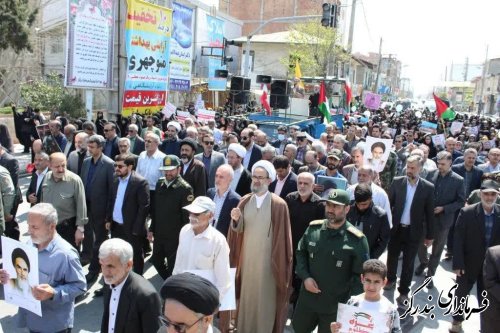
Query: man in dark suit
{"x":130,"y":198}
{"x":372,"y":220}
{"x":449,"y":198}
{"x":111,"y":145}
{"x":477,"y":228}
{"x":137,"y":144}
{"x":211,"y":159}
{"x":34,"y":192}
{"x":131,"y":303}
{"x":253,"y":152}
{"x":472,"y":181}
{"x":290,"y":151}
{"x":97,"y":178}
{"x":193,"y":171}
{"x":242,"y":178}
{"x":490,"y":320}
{"x":412,"y":203}
{"x":286,"y":180}
{"x":224,"y":197}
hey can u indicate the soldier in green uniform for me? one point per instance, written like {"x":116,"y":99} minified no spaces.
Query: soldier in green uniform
{"x":330,"y":259}
{"x":171,"y":194}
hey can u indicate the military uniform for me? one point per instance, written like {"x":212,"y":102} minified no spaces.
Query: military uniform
{"x":168,"y":217}
{"x":334,"y":259}
{"x":7,"y":196}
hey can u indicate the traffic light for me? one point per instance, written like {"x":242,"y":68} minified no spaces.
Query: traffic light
{"x":325,"y":20}
{"x":225,"y":43}
{"x":329,"y":18}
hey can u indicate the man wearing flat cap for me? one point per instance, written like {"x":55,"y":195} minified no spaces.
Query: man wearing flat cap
{"x":193,"y":170}
{"x":201,"y":246}
{"x":261,"y":229}
{"x":477,"y":228}
{"x":171,"y":195}
{"x":190,"y":304}
{"x":330,"y":258}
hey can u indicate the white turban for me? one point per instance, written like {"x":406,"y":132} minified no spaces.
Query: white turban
{"x":266,"y":165}
{"x":176,"y":125}
{"x":238,"y":149}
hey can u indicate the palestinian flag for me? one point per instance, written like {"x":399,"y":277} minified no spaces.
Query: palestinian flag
{"x":323,"y":103}
{"x":443,"y":109}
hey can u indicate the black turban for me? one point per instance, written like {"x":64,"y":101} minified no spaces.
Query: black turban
{"x":196,"y":293}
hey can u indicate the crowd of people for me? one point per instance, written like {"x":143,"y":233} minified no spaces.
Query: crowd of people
{"x":223,"y":194}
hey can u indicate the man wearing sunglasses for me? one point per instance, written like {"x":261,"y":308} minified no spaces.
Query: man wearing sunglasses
{"x":190,"y":305}
{"x":253,"y":153}
{"x":210,"y":158}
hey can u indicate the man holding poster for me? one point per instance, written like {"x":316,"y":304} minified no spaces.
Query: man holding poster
{"x":61,"y":277}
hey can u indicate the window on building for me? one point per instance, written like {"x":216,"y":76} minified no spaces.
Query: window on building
{"x":56,"y":46}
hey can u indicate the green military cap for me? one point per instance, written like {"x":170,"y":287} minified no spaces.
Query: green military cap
{"x":336,"y":154}
{"x":170,"y":162}
{"x":338,"y":197}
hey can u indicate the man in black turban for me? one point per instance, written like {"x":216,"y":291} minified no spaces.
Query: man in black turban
{"x":190,"y":304}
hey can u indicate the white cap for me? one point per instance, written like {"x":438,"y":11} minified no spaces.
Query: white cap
{"x":266,"y":165}
{"x":200,"y":205}
{"x":238,"y":149}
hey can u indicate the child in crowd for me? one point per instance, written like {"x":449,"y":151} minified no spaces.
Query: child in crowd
{"x":374,"y":278}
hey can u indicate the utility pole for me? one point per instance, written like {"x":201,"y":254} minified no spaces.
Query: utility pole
{"x":375,"y":89}
{"x":481,"y":103}
{"x":351,"y":27}
{"x":466,"y":69}
{"x":349,"y":39}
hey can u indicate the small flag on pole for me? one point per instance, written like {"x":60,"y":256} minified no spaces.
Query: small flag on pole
{"x":323,"y":103}
{"x":263,"y":99}
{"x":298,"y":73}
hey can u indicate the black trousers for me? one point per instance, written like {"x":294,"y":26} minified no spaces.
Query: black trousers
{"x":465,"y":284}
{"x":119,"y":231}
{"x":98,"y":235}
{"x":163,"y":258}
{"x":401,"y":241}
{"x":67,"y":229}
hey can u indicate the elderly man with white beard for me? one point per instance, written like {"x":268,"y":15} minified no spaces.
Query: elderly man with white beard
{"x":304,"y":205}
{"x":201,"y":246}
{"x":261,"y":229}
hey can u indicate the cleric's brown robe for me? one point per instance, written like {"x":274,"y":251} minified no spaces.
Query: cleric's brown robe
{"x":281,"y":257}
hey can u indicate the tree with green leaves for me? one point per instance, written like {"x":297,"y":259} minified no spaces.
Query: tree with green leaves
{"x":318,"y":48}
{"x":49,"y":93}
{"x":16,"y":17}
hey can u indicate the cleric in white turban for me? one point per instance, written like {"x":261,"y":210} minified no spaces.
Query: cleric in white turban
{"x":238,"y":149}
{"x":260,"y":228}
{"x":266,"y":165}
